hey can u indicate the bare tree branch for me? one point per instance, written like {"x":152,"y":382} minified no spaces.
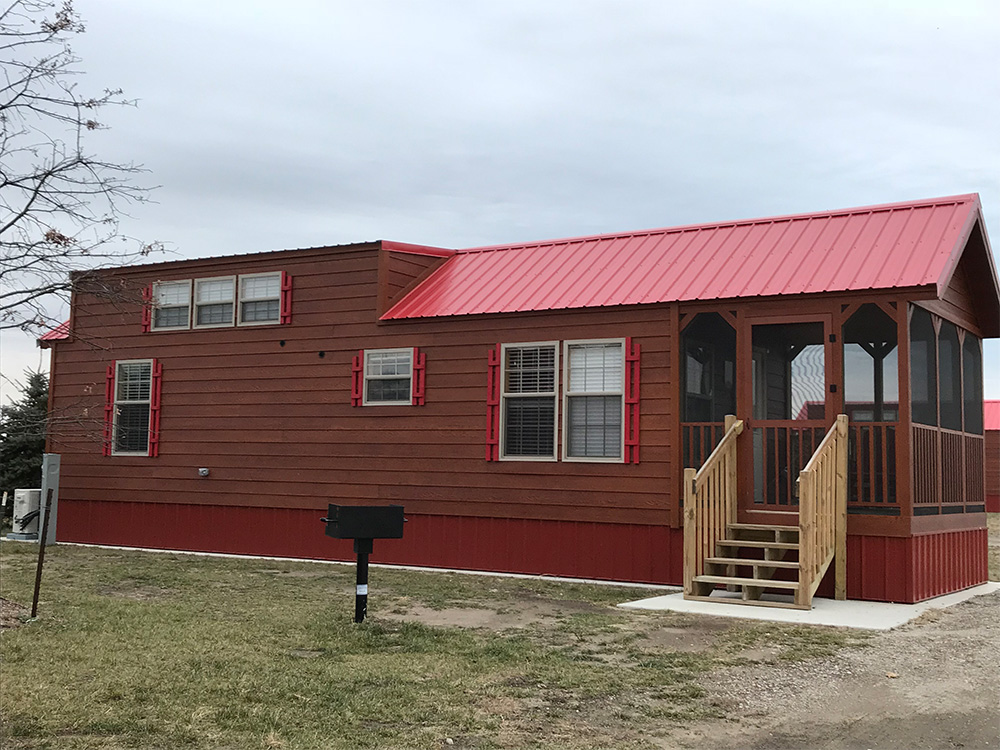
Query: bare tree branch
{"x":60,"y":205}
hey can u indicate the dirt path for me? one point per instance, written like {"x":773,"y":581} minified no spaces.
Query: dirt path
{"x":934,"y":683}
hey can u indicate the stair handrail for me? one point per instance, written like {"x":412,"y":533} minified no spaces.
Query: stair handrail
{"x":823,"y":515}
{"x":709,"y":502}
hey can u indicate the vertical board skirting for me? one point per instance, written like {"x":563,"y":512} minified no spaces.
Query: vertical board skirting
{"x":575,"y":549}
{"x":896,"y":569}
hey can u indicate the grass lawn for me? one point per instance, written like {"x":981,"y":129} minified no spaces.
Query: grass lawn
{"x":147,"y":650}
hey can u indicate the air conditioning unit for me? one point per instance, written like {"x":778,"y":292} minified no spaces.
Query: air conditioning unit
{"x":27,"y":510}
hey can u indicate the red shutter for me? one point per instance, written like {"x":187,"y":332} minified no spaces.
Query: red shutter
{"x":493,"y":407}
{"x":147,"y":308}
{"x":419,"y":376}
{"x":154,"y":409}
{"x":286,"y":298}
{"x":109,"y":409}
{"x":631,"y":402}
{"x":357,"y":377}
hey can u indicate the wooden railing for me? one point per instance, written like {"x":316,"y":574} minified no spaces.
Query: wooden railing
{"x":871,"y":477}
{"x":823,"y":515}
{"x":709,"y":503}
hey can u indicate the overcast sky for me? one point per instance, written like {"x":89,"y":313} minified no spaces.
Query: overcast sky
{"x":456,"y":123}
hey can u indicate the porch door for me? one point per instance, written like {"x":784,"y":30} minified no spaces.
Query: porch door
{"x":790,"y":409}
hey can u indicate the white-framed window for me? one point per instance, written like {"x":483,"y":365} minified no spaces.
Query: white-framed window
{"x":133,"y":391}
{"x":388,"y":377}
{"x":259,"y":299}
{"x":213,"y":302}
{"x":594,"y":400}
{"x":171,"y":305}
{"x":528,"y":404}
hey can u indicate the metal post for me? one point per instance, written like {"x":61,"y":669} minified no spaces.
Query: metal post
{"x":41,"y":552}
{"x":363,"y":548}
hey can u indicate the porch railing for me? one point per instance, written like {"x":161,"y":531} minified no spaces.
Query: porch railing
{"x":709,"y":503}
{"x":823,"y":515}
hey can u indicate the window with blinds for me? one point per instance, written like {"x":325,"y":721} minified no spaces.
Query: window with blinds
{"x":132,"y":400}
{"x":528,"y":401}
{"x":595,"y":400}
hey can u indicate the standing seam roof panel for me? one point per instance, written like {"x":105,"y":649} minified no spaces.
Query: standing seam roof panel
{"x":894,"y":245}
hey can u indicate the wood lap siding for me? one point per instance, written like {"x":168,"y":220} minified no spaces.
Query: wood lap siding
{"x":958,"y":303}
{"x":275,"y":425}
{"x":399,"y":272}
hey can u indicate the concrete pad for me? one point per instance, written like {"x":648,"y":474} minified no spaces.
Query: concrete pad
{"x":841,"y":614}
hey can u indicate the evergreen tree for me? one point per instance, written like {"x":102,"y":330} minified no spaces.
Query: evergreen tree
{"x":22,"y":437}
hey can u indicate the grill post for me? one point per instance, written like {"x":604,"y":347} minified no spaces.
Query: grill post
{"x":363,"y":548}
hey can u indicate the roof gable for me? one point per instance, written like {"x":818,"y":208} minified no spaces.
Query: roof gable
{"x":899,"y":245}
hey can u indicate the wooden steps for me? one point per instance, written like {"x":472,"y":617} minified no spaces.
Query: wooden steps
{"x":766,"y":583}
{"x":746,"y":562}
{"x":756,"y":544}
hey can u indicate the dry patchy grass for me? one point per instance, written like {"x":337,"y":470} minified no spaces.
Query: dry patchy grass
{"x":146,"y":650}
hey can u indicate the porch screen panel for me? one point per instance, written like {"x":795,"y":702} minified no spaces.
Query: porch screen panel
{"x":972,"y":373}
{"x":871,"y":366}
{"x":708,"y":370}
{"x":950,"y":377}
{"x":923,"y":368}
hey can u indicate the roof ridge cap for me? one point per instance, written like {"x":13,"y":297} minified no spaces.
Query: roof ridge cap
{"x":534,"y":244}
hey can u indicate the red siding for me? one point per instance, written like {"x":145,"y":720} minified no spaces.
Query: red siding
{"x":619,"y":552}
{"x":895,"y":569}
{"x":267,"y":409}
{"x":949,"y":561}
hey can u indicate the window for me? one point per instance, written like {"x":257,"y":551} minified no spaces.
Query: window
{"x":260,"y":299}
{"x":171,"y":305}
{"x":213,"y":302}
{"x":595,"y":399}
{"x":388,"y":376}
{"x":133,"y":393}
{"x":529,"y":401}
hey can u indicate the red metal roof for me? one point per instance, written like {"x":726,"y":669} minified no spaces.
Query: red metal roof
{"x":58,"y":333}
{"x":991,"y":415}
{"x":895,"y":245}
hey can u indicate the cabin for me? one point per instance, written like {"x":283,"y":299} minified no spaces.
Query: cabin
{"x":556,"y":407}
